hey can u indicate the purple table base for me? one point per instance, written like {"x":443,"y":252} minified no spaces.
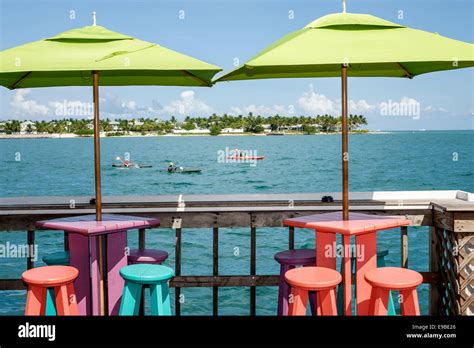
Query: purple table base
{"x":89,"y":275}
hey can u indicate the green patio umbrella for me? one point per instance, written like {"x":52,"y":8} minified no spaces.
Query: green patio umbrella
{"x":356,"y":45}
{"x":78,"y":57}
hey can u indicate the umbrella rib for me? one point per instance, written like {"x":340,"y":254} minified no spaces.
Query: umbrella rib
{"x":20,"y":80}
{"x":407,"y":73}
{"x":187,"y":73}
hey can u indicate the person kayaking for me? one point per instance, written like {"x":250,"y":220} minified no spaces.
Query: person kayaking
{"x":126,"y":163}
{"x":171,"y":167}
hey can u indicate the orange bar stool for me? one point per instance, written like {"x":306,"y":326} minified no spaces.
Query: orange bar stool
{"x":385,"y":279}
{"x":319,"y":279}
{"x":61,"y":279}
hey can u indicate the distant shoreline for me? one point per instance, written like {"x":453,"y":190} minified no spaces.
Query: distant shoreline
{"x":103,"y":135}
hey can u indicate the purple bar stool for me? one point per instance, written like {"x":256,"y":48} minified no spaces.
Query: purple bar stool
{"x":152,"y":256}
{"x":289,"y":259}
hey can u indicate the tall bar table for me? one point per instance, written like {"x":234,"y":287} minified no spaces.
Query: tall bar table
{"x":364,"y":227}
{"x":83,"y":235}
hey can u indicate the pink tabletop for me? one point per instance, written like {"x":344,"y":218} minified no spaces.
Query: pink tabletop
{"x":87,"y":225}
{"x":358,"y":223}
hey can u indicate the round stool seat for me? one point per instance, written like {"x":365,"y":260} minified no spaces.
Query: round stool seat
{"x":393,"y":278}
{"x":60,"y":258}
{"x":296,"y":257}
{"x":146,"y":273}
{"x":313,"y":278}
{"x":147,"y":256}
{"x":50,"y":276}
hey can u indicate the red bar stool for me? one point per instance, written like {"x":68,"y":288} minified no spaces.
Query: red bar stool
{"x":152,"y":256}
{"x":385,"y":279}
{"x":319,"y":279}
{"x":60,"y":278}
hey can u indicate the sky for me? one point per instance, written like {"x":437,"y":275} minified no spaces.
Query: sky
{"x":226,"y":33}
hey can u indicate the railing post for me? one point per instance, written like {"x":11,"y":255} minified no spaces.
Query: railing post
{"x":404,"y":246}
{"x":433,"y":260}
{"x":30,"y":241}
{"x":141,"y":246}
{"x":141,"y":239}
{"x":66,"y":241}
{"x":215,"y":270}
{"x":177,"y":271}
{"x":253,"y":268}
{"x":291,"y":238}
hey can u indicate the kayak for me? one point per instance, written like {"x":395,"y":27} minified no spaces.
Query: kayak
{"x":131,"y":166}
{"x":248,"y":158}
{"x":185,"y":170}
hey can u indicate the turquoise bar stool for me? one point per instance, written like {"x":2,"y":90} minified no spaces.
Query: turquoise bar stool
{"x":380,"y":263}
{"x":156,"y":277}
{"x":60,"y":258}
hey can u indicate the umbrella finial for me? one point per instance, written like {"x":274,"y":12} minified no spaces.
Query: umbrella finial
{"x":343,"y":6}
{"x":94,"y":19}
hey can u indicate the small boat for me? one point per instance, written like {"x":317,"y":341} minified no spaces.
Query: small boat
{"x":246,"y":158}
{"x":132,"y":166}
{"x":184,"y":170}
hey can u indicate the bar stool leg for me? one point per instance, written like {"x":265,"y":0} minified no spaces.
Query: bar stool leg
{"x":298,"y":304}
{"x":130,"y":299}
{"x":35,"y":300}
{"x":409,"y":304}
{"x":62,"y":300}
{"x":66,"y":300}
{"x":379,"y":301}
{"x":328,"y":302}
{"x":159,"y":299}
{"x":283,"y":292}
{"x":71,"y":293}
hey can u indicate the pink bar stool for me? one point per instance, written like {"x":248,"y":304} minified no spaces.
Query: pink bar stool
{"x":290,"y":259}
{"x":385,"y":279}
{"x":152,"y":256}
{"x":60,"y":278}
{"x":319,"y":279}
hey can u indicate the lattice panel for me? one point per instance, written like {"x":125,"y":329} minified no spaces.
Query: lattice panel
{"x":455,"y":253}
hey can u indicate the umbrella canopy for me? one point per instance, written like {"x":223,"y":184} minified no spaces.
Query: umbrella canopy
{"x":68,"y":59}
{"x":358,"y":45}
{"x":370,"y":46}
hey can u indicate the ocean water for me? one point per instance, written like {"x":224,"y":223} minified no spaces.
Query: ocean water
{"x":441,"y":160}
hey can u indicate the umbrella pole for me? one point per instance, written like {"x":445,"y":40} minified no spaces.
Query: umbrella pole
{"x":345,"y":146}
{"x":98,"y":194}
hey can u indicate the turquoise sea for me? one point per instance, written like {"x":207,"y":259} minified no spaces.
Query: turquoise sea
{"x":430,"y":160}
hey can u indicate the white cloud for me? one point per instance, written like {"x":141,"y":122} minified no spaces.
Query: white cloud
{"x":187,"y":104}
{"x":110,"y":103}
{"x":21,"y":105}
{"x":314,"y":103}
{"x":360,"y":106}
{"x":262,"y":110}
{"x":430,"y":108}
